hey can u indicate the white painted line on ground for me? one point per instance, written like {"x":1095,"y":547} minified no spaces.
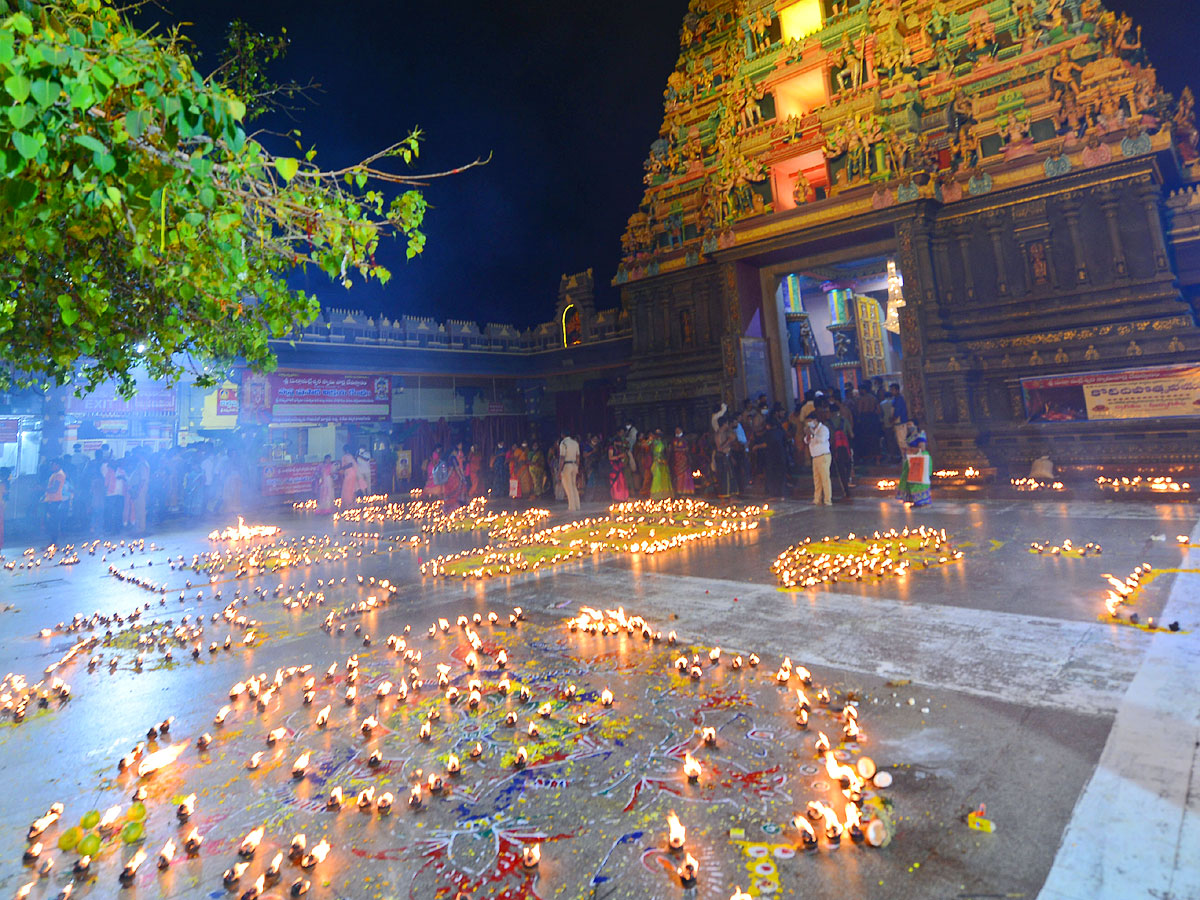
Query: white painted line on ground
{"x":1135,"y":832}
{"x":1027,"y":660}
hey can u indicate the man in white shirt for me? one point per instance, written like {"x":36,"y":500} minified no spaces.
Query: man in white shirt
{"x":568,"y":454}
{"x":816,"y":437}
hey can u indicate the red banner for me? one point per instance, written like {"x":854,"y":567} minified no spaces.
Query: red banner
{"x":291,"y":397}
{"x":289,"y":479}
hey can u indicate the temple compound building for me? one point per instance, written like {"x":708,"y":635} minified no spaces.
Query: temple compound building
{"x":993,"y":203}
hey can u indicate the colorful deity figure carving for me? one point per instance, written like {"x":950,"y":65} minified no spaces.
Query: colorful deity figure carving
{"x":852,"y":61}
{"x":1183,"y":126}
{"x":1065,"y":74}
{"x":803,"y":192}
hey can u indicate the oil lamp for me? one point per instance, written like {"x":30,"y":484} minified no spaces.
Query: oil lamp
{"x":255,"y":890}
{"x":366,"y":797}
{"x":203,"y":741}
{"x":130,"y":871}
{"x":808,"y":837}
{"x":186,"y":807}
{"x":426,"y":730}
{"x":335,"y":799}
{"x":708,"y":734}
{"x":691,"y":768}
{"x":522,"y":757}
{"x":275,"y":735}
{"x":676,"y":833}
{"x":276,"y":866}
{"x":531,"y":855}
{"x":250,"y":842}
{"x":316,"y":855}
{"x":453,"y":767}
{"x":688,"y":871}
{"x":384,"y":803}
{"x":323,"y":716}
{"x":255,"y":760}
{"x":414,"y":797}
{"x":192,"y":842}
{"x":234,"y":872}
{"x":606,"y":697}
{"x":477,"y":751}
{"x":299,"y":887}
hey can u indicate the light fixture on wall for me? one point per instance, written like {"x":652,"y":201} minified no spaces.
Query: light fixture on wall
{"x":895,"y":288}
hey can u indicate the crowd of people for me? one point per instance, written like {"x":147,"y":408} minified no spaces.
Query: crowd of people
{"x":98,"y":493}
{"x":760,"y":449}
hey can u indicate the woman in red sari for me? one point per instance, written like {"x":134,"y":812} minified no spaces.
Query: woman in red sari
{"x":455,"y":488}
{"x":616,"y":474}
{"x":681,"y":465}
{"x":433,"y":488}
{"x":475,"y":471}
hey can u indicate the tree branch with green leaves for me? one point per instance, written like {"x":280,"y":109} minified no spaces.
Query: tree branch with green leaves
{"x":141,"y":226}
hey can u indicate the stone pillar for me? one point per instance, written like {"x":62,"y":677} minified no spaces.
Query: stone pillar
{"x":1108,"y":203}
{"x":1070,"y":211}
{"x":962,"y":236}
{"x":1148,"y":193}
{"x":996,"y":229}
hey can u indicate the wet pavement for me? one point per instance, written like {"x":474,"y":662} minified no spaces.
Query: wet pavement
{"x":992,"y":680}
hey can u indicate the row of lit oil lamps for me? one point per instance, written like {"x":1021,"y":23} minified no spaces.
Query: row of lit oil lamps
{"x":710,"y":522}
{"x":852,"y":780}
{"x":799,"y":566}
{"x":68,"y":554}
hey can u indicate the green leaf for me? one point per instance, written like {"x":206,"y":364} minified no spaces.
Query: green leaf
{"x":237,"y":109}
{"x":17,"y":87}
{"x":287,"y":167}
{"x":86,"y":140}
{"x":19,"y":22}
{"x":6,"y":47}
{"x":70,"y":315}
{"x":45,"y":92}
{"x":136,"y":121}
{"x":113,"y":194}
{"x":207,"y":197}
{"x":20,"y":115}
{"x":82,"y":95}
{"x":27,"y":146}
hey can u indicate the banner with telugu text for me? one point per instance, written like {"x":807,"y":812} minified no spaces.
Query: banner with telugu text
{"x":1152,"y":392}
{"x":281,"y":398}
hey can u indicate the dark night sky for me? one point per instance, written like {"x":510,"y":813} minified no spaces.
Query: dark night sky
{"x":567,"y":96}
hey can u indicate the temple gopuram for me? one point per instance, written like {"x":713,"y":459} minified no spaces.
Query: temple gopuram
{"x":993,"y":203}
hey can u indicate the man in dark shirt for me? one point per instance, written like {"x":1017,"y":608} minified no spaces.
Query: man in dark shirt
{"x":900,"y":412}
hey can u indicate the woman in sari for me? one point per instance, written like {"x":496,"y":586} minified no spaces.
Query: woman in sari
{"x":455,"y":489}
{"x":916,"y":473}
{"x":475,"y":471}
{"x":616,"y":471}
{"x":325,"y":486}
{"x":594,"y":460}
{"x":681,"y":465}
{"x":644,"y":457}
{"x":660,"y":477}
{"x":521,"y":470}
{"x":349,"y":470}
{"x":433,"y":467}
